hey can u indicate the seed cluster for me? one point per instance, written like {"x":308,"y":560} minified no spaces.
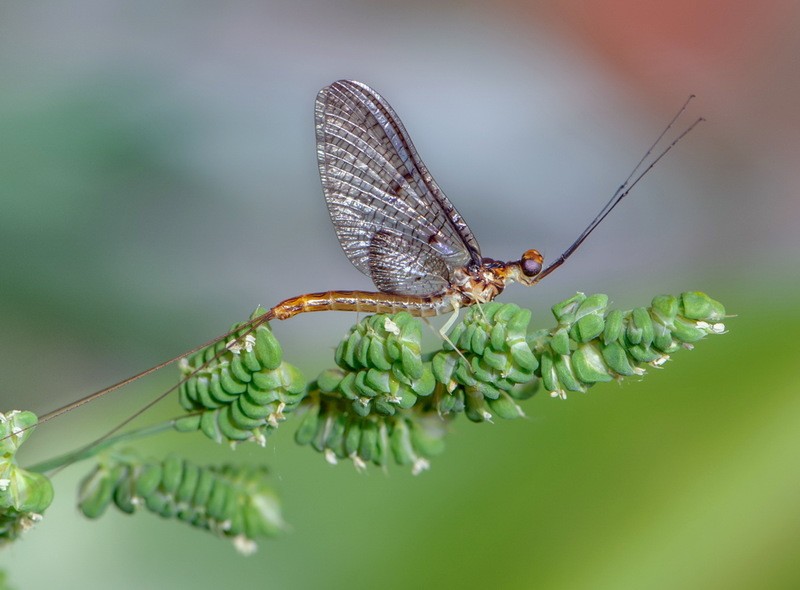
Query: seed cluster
{"x":232,"y":501}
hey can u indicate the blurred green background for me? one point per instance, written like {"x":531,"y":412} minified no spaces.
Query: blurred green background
{"x":159,"y":181}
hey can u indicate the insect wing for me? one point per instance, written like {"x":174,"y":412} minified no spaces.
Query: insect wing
{"x":382,"y":200}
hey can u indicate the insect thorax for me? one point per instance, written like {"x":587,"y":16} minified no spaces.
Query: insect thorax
{"x":479,"y":285}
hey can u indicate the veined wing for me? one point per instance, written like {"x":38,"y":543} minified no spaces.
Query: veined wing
{"x":382,"y":200}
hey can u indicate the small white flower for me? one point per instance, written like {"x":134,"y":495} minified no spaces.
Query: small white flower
{"x":244,"y":545}
{"x":420,"y":465}
{"x":660,"y":360}
{"x":358,"y":462}
{"x":391,"y":327}
{"x":259,"y":438}
{"x":277,"y":416}
{"x":330,"y":457}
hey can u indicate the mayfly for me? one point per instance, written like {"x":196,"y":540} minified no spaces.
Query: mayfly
{"x":396,"y":225}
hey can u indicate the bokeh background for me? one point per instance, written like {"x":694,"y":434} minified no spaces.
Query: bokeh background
{"x":158,"y":181}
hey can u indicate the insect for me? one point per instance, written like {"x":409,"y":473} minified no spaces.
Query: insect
{"x":396,"y":225}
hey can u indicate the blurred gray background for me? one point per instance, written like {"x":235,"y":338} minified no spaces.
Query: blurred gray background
{"x":159,"y":181}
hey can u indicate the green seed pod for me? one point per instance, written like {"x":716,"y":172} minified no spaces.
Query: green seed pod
{"x":463,"y":374}
{"x":455,"y":336}
{"x":505,"y":407}
{"x":411,"y":362}
{"x":617,"y":359}
{"x":362,"y":387}
{"x":218,"y":501}
{"x":425,"y":384}
{"x":588,"y":328}
{"x":613,"y":326}
{"x":517,"y":323}
{"x":96,"y":493}
{"x":190,"y":423}
{"x":172,"y":472}
{"x":262,"y":397}
{"x":378,"y":357}
{"x":238,"y":369}
{"x":352,"y":438}
{"x":560,"y":342}
{"x":642,"y":354}
{"x":665,"y":307}
{"x":189,"y":482}
{"x":228,"y":428}
{"x":383,"y":406}
{"x":148,"y":479}
{"x":496,"y":360}
{"x":265,"y":381}
{"x":548,"y":372}
{"x":253,"y":409}
{"x":478,"y":341}
{"x":367,"y":448}
{"x":362,"y":353}
{"x":488,"y":391}
{"x":427,"y":437}
{"x":405,"y":399}
{"x":204,"y":398}
{"x":475,"y":408}
{"x":522,"y":356}
{"x":185,"y":394}
{"x":641,"y":317}
{"x":588,"y":365}
{"x":240,"y":418}
{"x":400,"y":443}
{"x":267,"y":349}
{"x":517,"y":375}
{"x":687,"y":331}
{"x":662,"y":338}
{"x":308,"y":426}
{"x":377,"y":380}
{"x":449,"y":404}
{"x":381,"y":455}
{"x":329,"y":380}
{"x":336,"y":434}
{"x":443,"y":366}
{"x":216,"y":396}
{"x":230,"y":385}
{"x":123,"y":494}
{"x":362,"y":406}
{"x":498,"y":335}
{"x":249,"y":359}
{"x":210,"y":427}
{"x":563,"y":366}
{"x":345,"y":352}
{"x":564,"y":311}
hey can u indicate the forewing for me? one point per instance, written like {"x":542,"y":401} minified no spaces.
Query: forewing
{"x":374,"y":181}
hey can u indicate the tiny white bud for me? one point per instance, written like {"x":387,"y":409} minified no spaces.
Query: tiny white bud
{"x":391,"y":327}
{"x":358,"y":462}
{"x":419,"y":466}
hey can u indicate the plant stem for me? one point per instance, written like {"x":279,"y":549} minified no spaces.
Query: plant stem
{"x":98,"y":446}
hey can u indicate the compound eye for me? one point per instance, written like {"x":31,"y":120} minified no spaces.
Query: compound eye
{"x":531,"y":263}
